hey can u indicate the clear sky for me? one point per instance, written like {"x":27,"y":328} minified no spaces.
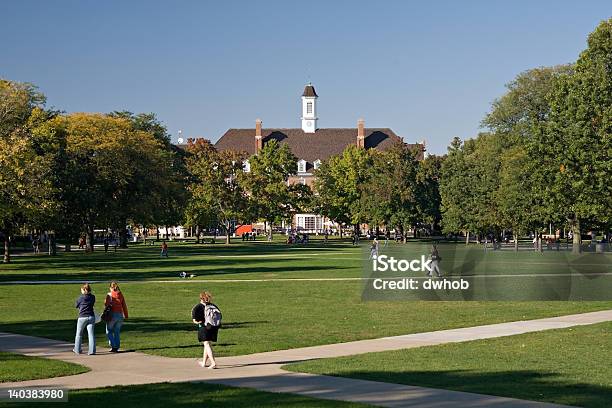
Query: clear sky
{"x":427,"y":69}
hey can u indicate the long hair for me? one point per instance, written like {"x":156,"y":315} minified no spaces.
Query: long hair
{"x":206,"y":296}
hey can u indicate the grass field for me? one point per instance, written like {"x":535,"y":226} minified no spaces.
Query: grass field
{"x":566,"y":366}
{"x":16,"y":367}
{"x":258,"y":315}
{"x":186,"y":395}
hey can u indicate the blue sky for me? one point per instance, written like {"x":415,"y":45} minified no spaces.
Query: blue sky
{"x":428,"y":70}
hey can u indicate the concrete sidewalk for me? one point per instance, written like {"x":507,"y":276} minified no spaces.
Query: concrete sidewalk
{"x":263,"y":371}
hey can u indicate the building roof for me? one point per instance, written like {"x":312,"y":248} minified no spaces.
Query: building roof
{"x":309,"y":91}
{"x":308,"y":146}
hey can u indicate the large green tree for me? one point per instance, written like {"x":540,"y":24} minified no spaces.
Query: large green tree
{"x":26,"y":189}
{"x":339,"y":186}
{"x":273,"y":197}
{"x":389,"y":192}
{"x":113,"y":172}
{"x":574,"y":145}
{"x":216,"y":191}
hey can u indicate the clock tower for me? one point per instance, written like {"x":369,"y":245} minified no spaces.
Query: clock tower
{"x":309,"y":109}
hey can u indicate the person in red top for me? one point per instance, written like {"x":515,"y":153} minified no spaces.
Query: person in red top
{"x":119,"y":313}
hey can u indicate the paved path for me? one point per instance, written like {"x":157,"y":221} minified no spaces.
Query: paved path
{"x":262,"y":370}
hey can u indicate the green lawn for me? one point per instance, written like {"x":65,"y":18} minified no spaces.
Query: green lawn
{"x":187,"y":395}
{"x":258,"y":315}
{"x":16,"y":367}
{"x":238,"y":260}
{"x":566,"y":366}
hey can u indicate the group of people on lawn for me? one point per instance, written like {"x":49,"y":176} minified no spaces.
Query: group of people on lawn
{"x":206,"y":315}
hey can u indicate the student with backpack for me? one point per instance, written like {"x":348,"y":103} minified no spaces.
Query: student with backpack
{"x":208,"y":318}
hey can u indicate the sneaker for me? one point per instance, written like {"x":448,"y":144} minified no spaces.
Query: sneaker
{"x":212,"y":366}
{"x":202,"y":364}
{"x":113,"y":350}
{"x":76,"y":352}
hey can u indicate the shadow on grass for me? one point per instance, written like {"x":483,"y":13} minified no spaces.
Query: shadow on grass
{"x":64,"y":330}
{"x":229,"y":268}
{"x":523,"y":384}
{"x":191,"y":395}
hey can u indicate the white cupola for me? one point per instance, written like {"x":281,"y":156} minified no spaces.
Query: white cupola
{"x":309,"y":109}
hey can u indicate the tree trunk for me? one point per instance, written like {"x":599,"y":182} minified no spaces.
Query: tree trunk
{"x":516,"y":235}
{"x":198,"y":233}
{"x":52,"y":245}
{"x":90,"y":238}
{"x":227,"y":233}
{"x":340,"y":226}
{"x":577,"y":237}
{"x":269,"y":226}
{"x":67,"y":247}
{"x":123,"y":241}
{"x":356,"y":231}
{"x":377,"y":231}
{"x":7,"y":249}
{"x":157,"y":232}
{"x":467,"y":238}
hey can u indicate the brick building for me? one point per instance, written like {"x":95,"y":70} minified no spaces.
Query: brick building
{"x":311,"y":145}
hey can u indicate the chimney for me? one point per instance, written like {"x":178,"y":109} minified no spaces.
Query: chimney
{"x":361,"y":133}
{"x":258,"y":138}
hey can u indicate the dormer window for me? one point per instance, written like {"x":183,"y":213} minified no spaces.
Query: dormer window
{"x":302,"y":166}
{"x":317,"y":164}
{"x":246,"y":166}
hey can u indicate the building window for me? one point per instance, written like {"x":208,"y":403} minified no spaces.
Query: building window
{"x":302,"y":166}
{"x":309,"y":107}
{"x":310,"y":223}
{"x":246,"y":166}
{"x":317,"y":164}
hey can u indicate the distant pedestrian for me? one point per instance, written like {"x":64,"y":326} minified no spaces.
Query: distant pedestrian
{"x":36,"y":245}
{"x":105,"y":244}
{"x":374,"y":249}
{"x":435,"y":261}
{"x":119,"y":313}
{"x":208,"y":318}
{"x":164,"y":249}
{"x":85,"y":303}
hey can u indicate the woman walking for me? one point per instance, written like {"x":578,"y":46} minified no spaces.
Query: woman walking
{"x":119,"y":312}
{"x":208,"y":318}
{"x":85,"y":304}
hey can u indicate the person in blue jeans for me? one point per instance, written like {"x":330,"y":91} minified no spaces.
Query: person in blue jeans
{"x":119,"y":313}
{"x":85,"y":303}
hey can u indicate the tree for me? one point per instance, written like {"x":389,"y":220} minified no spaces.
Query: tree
{"x":574,"y":144}
{"x":25,"y":186}
{"x":17,"y":100}
{"x":524,"y":104}
{"x":454,"y":190}
{"x":515,"y":195}
{"x":389,"y":192}
{"x":113,"y":172}
{"x":158,"y":185}
{"x":339,"y":185}
{"x":216,"y":191}
{"x":273,"y":197}
{"x":428,"y":190}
